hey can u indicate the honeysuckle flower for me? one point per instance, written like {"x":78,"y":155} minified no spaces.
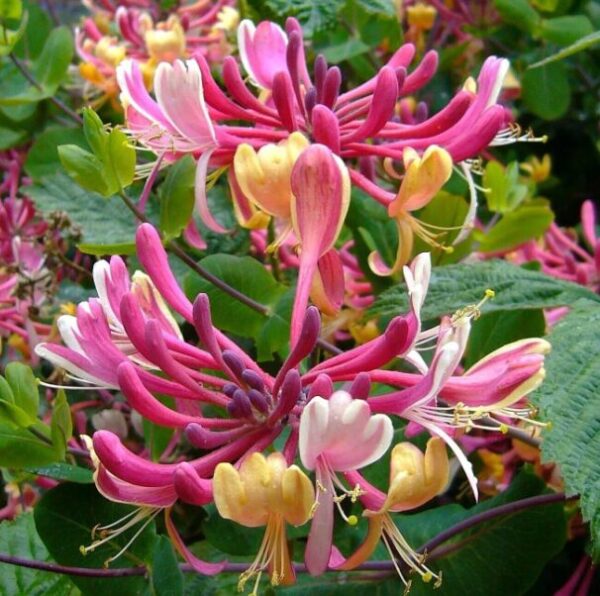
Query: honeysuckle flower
{"x":320,"y":198}
{"x":265,"y":491}
{"x":123,"y":477}
{"x":337,"y":435}
{"x":561,"y":255}
{"x":415,"y":479}
{"x":264,"y":176}
{"x":423,"y":178}
{"x":141,"y":37}
{"x":290,"y":101}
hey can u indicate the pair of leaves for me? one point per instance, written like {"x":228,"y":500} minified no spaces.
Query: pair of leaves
{"x":109,"y":168}
{"x":24,"y":439}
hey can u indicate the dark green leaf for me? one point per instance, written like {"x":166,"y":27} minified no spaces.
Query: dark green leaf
{"x":100,"y":221}
{"x":519,"y":13}
{"x":19,"y":448}
{"x":313,"y":16}
{"x":42,"y":158}
{"x":229,"y":537}
{"x":570,"y":399}
{"x":246,"y":275}
{"x":456,"y":286}
{"x":496,"y":329}
{"x":76,"y":509}
{"x":566,"y":30}
{"x":52,"y":64}
{"x":344,"y":51}
{"x":19,"y":538}
{"x":167,"y":579}
{"x":546,"y":91}
{"x":62,"y":471}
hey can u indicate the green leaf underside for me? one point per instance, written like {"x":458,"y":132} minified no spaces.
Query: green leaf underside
{"x":456,"y":286}
{"x":570,"y":399}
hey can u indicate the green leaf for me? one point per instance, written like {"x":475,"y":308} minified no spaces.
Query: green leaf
{"x":570,"y":399}
{"x":111,"y":166}
{"x":516,"y":227}
{"x":37,"y":31}
{"x":229,"y":537}
{"x":76,"y":509}
{"x":344,"y":51}
{"x":518,"y":13}
{"x":61,"y":426}
{"x":546,"y":91}
{"x":274,"y":337}
{"x":445,"y":211}
{"x":313,"y":16}
{"x":52,"y":64}
{"x":10,"y":38}
{"x":177,"y":197}
{"x":19,"y":538}
{"x":11,"y":9}
{"x":246,"y":275}
{"x":167,"y":579}
{"x":24,"y":387}
{"x":19,"y":448}
{"x":566,"y":30}
{"x":504,"y":192}
{"x":85,"y":168}
{"x":579,"y":46}
{"x":496,"y":329}
{"x":456,"y":286}
{"x":62,"y":471}
{"x":103,"y":225}
{"x":42,"y":159}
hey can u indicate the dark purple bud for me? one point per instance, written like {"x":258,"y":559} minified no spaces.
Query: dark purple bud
{"x":400,"y":78}
{"x":361,"y":386}
{"x":321,"y":387}
{"x":331,"y":86}
{"x":421,"y":112}
{"x":229,"y":389}
{"x":253,"y":379}
{"x":288,"y":396}
{"x":259,"y":400}
{"x":234,"y":362}
{"x":207,"y":439}
{"x":366,"y":164}
{"x":243,"y":402}
{"x":320,"y":74}
{"x":310,"y":101}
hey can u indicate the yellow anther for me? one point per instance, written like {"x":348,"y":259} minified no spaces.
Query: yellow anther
{"x":503,"y":429}
{"x":427,"y":577}
{"x":352,"y":520}
{"x":490,"y":293}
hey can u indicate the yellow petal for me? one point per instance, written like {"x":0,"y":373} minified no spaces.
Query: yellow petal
{"x":298,"y":496}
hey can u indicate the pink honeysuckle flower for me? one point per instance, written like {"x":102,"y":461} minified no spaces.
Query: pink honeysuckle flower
{"x":561,"y":255}
{"x":337,"y":435}
{"x":320,"y":200}
{"x":292,"y":102}
{"x":153,"y":488}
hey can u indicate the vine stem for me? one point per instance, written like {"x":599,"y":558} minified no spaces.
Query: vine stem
{"x":429,"y":547}
{"x":176,"y":249}
{"x":57,"y":102}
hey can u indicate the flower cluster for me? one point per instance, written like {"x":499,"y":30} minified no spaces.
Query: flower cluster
{"x":330,"y":415}
{"x":133,"y":30}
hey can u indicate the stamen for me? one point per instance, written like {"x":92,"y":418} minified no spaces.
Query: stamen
{"x":472,"y":311}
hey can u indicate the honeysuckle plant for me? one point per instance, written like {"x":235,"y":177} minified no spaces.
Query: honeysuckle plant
{"x":280,"y":310}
